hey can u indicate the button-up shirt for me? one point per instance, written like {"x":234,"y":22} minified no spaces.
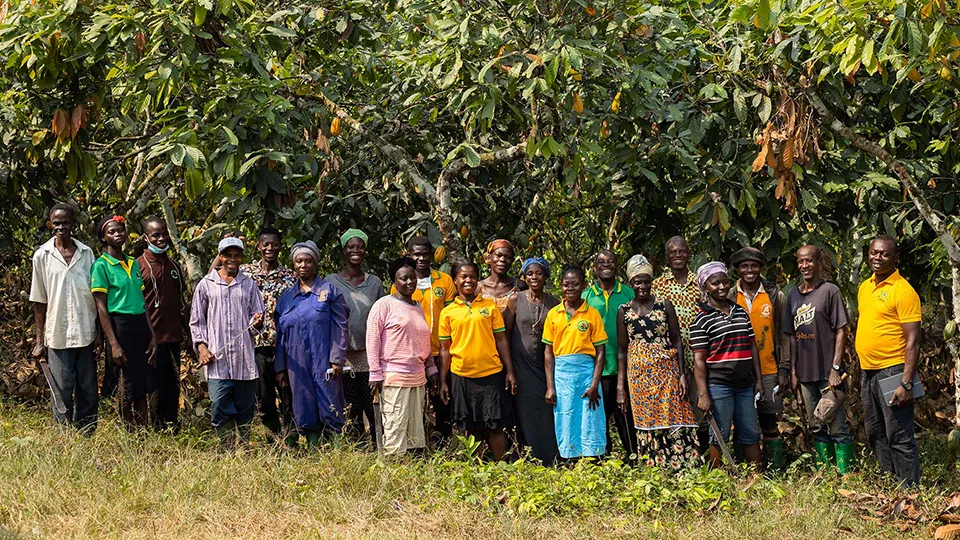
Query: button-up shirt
{"x":271,"y":283}
{"x":685,"y":300}
{"x":65,"y":289}
{"x":220,"y":318}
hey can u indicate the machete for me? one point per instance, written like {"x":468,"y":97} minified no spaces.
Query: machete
{"x":720,"y":441}
{"x":58,"y":402}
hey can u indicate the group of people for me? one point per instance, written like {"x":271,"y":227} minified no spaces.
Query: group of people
{"x":658,"y":359}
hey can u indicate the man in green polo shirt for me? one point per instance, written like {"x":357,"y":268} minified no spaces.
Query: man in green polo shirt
{"x":606,"y":295}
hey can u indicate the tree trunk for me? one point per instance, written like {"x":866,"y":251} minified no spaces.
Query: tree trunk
{"x":926,"y":211}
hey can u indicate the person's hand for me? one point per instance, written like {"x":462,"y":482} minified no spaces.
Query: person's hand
{"x":433,"y":382}
{"x":783,"y":379}
{"x":551,"y":396}
{"x":683,"y":387}
{"x":444,"y":392}
{"x":622,"y":398}
{"x":257,"y":321}
{"x":117,"y":355}
{"x":336,"y":370}
{"x":703,"y":403}
{"x":835,"y":379}
{"x":901,"y":397}
{"x":758,"y":388}
{"x":152,"y":351}
{"x":593,"y":394}
{"x":97,"y":344}
{"x":376,"y":386}
{"x":511,"y":382}
{"x":206,"y":357}
{"x":281,"y":378}
{"x":39,"y":351}
{"x":794,"y":381}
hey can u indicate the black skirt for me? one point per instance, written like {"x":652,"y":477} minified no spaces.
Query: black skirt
{"x":139,"y":378}
{"x":480,"y":403}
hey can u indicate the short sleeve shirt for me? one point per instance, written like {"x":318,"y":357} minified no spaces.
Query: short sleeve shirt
{"x":884,"y":306}
{"x":761,"y":314}
{"x":122,"y":283}
{"x":813,"y":318}
{"x":727,"y":340}
{"x":607,"y":304}
{"x":579,"y":334}
{"x":432,"y":299}
{"x":65,"y":290}
{"x":470,"y":329}
{"x":685,"y":299}
{"x":272,"y":284}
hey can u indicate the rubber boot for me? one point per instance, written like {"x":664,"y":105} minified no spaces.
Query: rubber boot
{"x":313,"y":440}
{"x":773,"y":452}
{"x":824,"y":453}
{"x":844,"y":457}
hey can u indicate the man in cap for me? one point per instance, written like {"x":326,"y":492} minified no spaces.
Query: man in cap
{"x":765,"y":304}
{"x":227,"y":311}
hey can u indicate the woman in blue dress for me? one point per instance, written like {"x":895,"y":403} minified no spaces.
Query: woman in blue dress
{"x":311,"y":346}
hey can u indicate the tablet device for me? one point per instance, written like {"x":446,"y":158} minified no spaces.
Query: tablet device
{"x":889,"y":385}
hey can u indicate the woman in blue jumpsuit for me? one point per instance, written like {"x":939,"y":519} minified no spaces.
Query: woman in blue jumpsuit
{"x":311,"y":346}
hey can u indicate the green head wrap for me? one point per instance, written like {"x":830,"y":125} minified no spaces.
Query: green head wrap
{"x":350,"y":235}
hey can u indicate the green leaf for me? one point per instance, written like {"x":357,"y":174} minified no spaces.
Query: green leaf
{"x":762,"y":19}
{"x":177,"y":154}
{"x":471,"y":156}
{"x":915,"y":38}
{"x":231,"y":136}
{"x":766,"y":108}
{"x":199,"y":15}
{"x":736,"y":55}
{"x":248,"y":164}
{"x":193,"y":183}
{"x":739,"y":104}
{"x":451,"y":76}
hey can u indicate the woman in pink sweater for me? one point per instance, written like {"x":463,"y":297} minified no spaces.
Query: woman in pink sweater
{"x":399,"y":354}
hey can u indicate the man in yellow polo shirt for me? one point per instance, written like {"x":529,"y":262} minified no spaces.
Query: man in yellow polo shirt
{"x":888,"y":344}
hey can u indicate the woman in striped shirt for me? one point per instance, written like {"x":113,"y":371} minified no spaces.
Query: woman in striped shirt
{"x":726,"y":364}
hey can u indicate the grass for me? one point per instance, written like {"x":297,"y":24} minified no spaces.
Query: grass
{"x":56,"y":483}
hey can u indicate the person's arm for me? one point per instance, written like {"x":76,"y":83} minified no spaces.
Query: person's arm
{"x":593,"y":393}
{"x":444,"y":369}
{"x":198,"y":325}
{"x":152,"y":347}
{"x":372,"y":341}
{"x":700,"y":374}
{"x":622,"y":343}
{"x":255,"y":309}
{"x":116,"y":351}
{"x":782,"y":340}
{"x":503,"y":349}
{"x":757,"y":373}
{"x":40,"y":321}
{"x":510,"y":315}
{"x":794,"y":351}
{"x":911,"y":332}
{"x":339,"y":318}
{"x":673,"y":326}
{"x":279,"y":349}
{"x":839,"y":347}
{"x":549,"y":361}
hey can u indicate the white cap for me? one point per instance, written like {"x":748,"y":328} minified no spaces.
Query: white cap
{"x":229,"y":242}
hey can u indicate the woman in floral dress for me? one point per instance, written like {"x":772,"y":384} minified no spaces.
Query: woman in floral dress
{"x":650,"y":356}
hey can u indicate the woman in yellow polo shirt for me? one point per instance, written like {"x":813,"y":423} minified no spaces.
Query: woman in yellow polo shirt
{"x":574,"y":358}
{"x":474,"y":351}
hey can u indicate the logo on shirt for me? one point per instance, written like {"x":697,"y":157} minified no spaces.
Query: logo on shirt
{"x":805,"y":315}
{"x":765,"y":311}
{"x":484,"y":311}
{"x":883,"y":296}
{"x":438,"y":291}
{"x":322,"y":297}
{"x":174,"y":274}
{"x":583,"y":326}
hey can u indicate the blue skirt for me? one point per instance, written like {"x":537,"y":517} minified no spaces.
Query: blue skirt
{"x":581,"y":431}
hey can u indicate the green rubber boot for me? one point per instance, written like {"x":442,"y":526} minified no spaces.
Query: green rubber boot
{"x":844,"y":457}
{"x":825,"y":454}
{"x":773,"y":452}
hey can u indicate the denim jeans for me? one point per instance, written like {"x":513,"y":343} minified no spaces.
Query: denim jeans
{"x":736,"y":406}
{"x":231,"y":400}
{"x":890,"y":430}
{"x":75,"y":373}
{"x":837,"y":431}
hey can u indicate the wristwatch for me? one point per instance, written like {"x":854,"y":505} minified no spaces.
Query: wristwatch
{"x":908,"y":386}
{"x":836,"y":367}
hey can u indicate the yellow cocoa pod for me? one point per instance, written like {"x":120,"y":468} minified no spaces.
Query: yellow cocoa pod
{"x":335,"y":127}
{"x":464,"y":231}
{"x":440,"y":254}
{"x":950,"y":330}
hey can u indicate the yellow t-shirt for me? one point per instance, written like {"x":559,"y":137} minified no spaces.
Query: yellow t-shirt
{"x":470,"y":328}
{"x":761,"y":318}
{"x":884,"y":307}
{"x":579,"y":334}
{"x":441,"y":294}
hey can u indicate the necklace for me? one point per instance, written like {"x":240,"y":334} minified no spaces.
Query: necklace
{"x":537,"y":317}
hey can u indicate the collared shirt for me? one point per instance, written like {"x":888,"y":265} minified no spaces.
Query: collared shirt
{"x":271,"y":283}
{"x":607,"y":304}
{"x":727,"y":340}
{"x":438,"y":294}
{"x":164,"y":287}
{"x":579,"y":334}
{"x":65,"y":289}
{"x":398,"y":344}
{"x":685,"y":300}
{"x":220,"y":318}
{"x":360,"y":299}
{"x":760,"y":310}
{"x":470,"y":328}
{"x":884,"y":306}
{"x":121,"y":281}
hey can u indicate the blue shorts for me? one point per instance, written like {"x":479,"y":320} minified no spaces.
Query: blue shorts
{"x":736,"y":406}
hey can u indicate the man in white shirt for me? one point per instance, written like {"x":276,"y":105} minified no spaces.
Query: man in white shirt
{"x":65,"y":315}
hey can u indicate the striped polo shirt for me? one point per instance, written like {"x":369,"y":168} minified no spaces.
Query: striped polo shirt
{"x":727,"y":340}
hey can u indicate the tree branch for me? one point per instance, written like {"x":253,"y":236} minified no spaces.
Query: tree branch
{"x":194,"y":271}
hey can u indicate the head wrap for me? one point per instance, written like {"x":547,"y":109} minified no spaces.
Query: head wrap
{"x":350,"y":234}
{"x":497,"y":244}
{"x":747,"y":254}
{"x":638,"y":264}
{"x":538,"y":261}
{"x":709,"y":269}
{"x":309,"y":247}
{"x":103,"y":224}
{"x":229,"y":242}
